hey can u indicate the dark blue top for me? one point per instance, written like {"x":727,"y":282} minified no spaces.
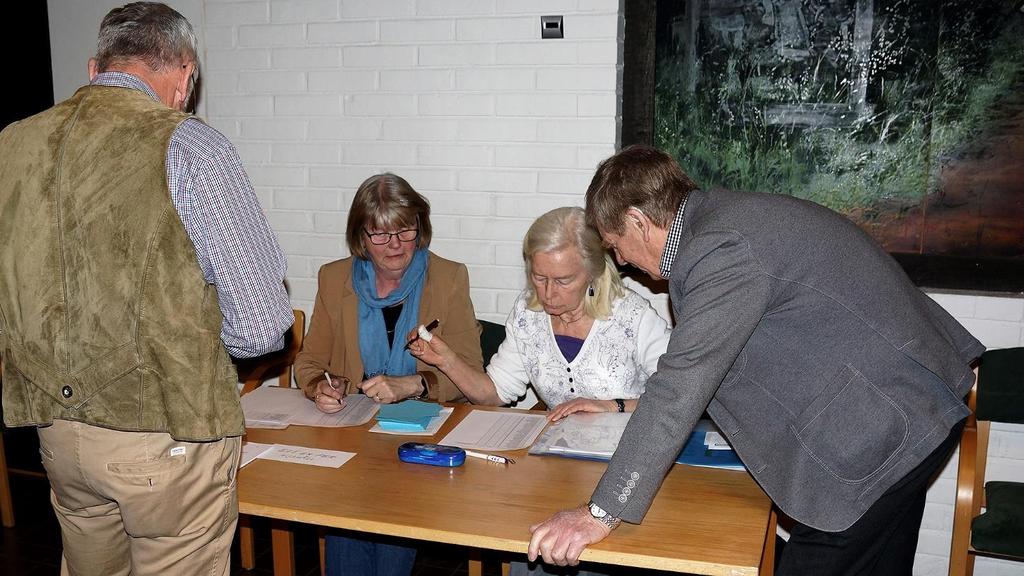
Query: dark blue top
{"x":569,"y":346}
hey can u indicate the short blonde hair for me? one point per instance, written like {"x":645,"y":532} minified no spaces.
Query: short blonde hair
{"x":386,"y":202}
{"x":567,"y":227}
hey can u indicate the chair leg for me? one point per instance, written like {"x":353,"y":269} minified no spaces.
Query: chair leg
{"x":323,"y":550}
{"x":768,"y":554}
{"x":6,"y":503}
{"x":476,"y":564}
{"x":245,"y":542}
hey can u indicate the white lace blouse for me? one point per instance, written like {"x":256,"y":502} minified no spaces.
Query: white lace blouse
{"x":617,"y":357}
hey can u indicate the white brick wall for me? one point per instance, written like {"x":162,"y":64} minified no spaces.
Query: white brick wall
{"x":462,"y":98}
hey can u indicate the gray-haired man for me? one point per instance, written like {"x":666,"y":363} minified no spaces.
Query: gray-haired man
{"x":134,"y":258}
{"x":838,"y":382}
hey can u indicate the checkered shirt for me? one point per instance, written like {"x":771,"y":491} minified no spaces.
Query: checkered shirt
{"x":235,"y":246}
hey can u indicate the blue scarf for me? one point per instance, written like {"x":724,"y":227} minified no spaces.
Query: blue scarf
{"x":377,"y":357}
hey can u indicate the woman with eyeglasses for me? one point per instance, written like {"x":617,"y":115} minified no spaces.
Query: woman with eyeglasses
{"x":365,"y":307}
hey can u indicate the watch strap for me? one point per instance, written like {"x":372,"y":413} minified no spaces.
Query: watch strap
{"x":621,"y":404}
{"x":425,"y":393}
{"x":607,"y":519}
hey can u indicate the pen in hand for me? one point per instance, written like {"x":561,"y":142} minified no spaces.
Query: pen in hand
{"x":491,"y":457}
{"x":333,"y":385}
{"x":426,"y":329}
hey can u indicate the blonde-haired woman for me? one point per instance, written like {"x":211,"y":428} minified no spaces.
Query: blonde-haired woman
{"x":586,"y":342}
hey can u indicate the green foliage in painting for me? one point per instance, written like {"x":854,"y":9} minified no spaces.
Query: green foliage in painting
{"x":855,"y":105}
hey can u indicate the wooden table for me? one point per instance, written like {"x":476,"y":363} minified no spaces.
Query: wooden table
{"x":703,"y":521}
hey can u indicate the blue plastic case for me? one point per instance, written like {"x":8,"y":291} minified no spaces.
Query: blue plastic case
{"x":432,"y":454}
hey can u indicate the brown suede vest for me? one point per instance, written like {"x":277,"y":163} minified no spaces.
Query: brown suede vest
{"x":105,"y":317}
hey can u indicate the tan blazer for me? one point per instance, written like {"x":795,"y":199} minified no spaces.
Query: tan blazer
{"x":332,"y":342}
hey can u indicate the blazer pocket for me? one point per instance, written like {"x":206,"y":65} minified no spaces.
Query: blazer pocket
{"x":852,"y":429}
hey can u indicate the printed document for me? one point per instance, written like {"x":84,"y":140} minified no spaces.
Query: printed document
{"x":486,"y":430}
{"x":276,"y":407}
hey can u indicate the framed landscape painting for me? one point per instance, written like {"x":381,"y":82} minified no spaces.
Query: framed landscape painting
{"x":907,"y":116}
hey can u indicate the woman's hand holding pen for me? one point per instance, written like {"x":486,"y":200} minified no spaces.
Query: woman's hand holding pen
{"x":330,"y":393}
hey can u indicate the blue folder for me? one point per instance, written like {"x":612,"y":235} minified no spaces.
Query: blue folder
{"x":695,"y":453}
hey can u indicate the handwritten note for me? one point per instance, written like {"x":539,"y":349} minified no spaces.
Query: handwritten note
{"x":293,"y":454}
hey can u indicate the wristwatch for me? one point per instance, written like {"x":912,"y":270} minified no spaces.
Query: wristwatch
{"x":425,"y":392}
{"x":620,"y":404}
{"x":603,"y":517}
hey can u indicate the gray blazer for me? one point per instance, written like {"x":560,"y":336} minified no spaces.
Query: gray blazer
{"x":830,"y":373}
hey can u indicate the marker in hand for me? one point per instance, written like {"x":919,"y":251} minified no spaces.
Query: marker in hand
{"x":424,"y":332}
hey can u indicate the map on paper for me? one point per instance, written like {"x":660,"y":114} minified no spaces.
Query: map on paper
{"x":588,"y":435}
{"x":596,"y":436}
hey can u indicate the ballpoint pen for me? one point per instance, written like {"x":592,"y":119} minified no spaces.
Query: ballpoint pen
{"x":332,"y":385}
{"x":491,"y":457}
{"x":426,"y":329}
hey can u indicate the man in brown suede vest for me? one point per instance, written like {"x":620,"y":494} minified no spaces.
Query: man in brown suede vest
{"x":133,"y":258}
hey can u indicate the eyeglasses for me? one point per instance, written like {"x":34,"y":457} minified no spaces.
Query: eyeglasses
{"x":193,"y":79}
{"x":380,"y":238}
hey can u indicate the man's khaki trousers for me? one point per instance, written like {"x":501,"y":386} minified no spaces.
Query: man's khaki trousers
{"x":141,"y":503}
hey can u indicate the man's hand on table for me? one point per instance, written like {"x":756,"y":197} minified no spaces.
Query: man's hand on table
{"x":560,"y":540}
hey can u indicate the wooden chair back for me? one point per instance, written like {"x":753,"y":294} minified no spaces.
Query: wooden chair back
{"x":253,"y":372}
{"x":1005,"y":404}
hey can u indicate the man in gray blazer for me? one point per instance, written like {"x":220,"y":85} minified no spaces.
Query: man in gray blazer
{"x":838,"y":382}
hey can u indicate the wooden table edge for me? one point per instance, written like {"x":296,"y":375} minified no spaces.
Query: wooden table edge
{"x":500,"y":544}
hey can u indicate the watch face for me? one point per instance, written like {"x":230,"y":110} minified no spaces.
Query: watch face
{"x":596,"y":511}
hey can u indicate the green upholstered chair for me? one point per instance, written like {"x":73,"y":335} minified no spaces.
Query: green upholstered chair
{"x":491,"y":336}
{"x":997,"y":396}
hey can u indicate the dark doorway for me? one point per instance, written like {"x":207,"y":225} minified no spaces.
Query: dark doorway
{"x":33,"y":90}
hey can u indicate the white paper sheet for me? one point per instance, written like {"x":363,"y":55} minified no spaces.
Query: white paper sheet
{"x":357,"y":411}
{"x":715,"y":441}
{"x":303,"y":455}
{"x":275,"y":407}
{"x":435,"y":424}
{"x":485,"y":430}
{"x":252,"y":451}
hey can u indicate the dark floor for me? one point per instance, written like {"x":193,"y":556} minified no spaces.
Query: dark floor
{"x":32,"y":547}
